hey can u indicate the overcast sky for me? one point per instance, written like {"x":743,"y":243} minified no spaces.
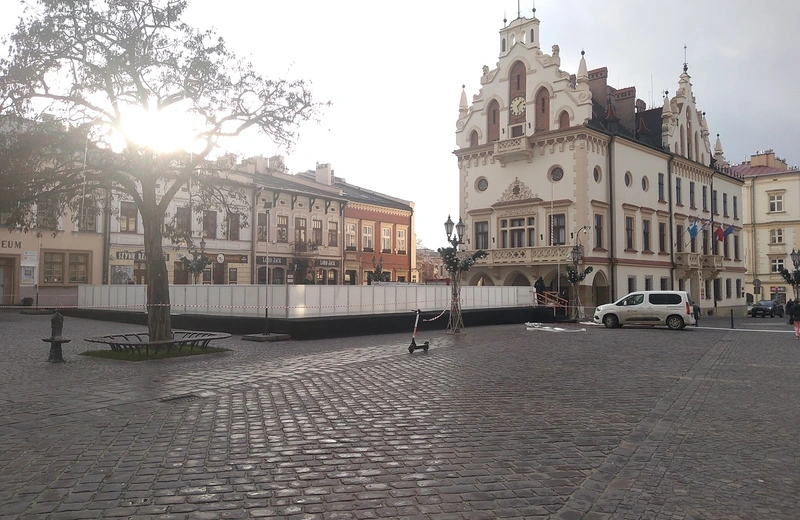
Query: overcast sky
{"x":393,"y":72}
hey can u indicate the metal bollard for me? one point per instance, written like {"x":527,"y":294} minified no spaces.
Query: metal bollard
{"x":56,"y":339}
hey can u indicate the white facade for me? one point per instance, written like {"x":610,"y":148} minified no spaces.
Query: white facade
{"x":549,"y":161}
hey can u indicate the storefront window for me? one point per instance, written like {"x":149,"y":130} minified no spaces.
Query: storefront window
{"x":53,"y":267}
{"x":78,"y":268}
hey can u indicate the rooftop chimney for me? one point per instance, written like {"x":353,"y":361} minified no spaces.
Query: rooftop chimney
{"x":324,"y":174}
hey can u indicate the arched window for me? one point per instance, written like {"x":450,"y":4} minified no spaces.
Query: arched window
{"x":493,"y":119}
{"x":696,"y":148}
{"x":532,"y":37}
{"x":563,"y":120}
{"x":542,"y":109}
{"x":683,"y":141}
{"x":689,"y":147}
{"x":516,"y":89}
{"x":473,"y":138}
{"x":503,"y":45}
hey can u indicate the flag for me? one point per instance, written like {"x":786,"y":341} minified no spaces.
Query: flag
{"x":693,"y":229}
{"x":729,"y":231}
{"x":720,"y":233}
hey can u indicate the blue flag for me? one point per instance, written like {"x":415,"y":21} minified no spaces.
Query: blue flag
{"x":729,"y":231}
{"x":693,"y":229}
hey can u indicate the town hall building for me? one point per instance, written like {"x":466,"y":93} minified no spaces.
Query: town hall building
{"x":559,"y":169}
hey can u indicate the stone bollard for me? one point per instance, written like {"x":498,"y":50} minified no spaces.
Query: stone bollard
{"x":56,"y":339}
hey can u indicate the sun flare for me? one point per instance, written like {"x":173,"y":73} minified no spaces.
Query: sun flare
{"x":163,"y":131}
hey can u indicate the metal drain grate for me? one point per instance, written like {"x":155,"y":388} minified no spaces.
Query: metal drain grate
{"x":179,"y":398}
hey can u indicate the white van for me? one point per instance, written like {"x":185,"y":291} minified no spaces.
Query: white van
{"x":671,"y":308}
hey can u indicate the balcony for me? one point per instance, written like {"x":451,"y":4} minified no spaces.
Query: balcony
{"x":514,"y":149}
{"x":527,"y":256}
{"x":306,"y":249}
{"x":712,"y":262}
{"x":688,"y":260}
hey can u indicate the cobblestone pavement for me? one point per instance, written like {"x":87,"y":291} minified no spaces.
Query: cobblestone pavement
{"x":502,"y":422}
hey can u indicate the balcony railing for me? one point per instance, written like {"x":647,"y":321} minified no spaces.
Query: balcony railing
{"x":688,"y":260}
{"x":515,"y":149}
{"x":713,"y":262}
{"x":527,"y":255}
{"x":309,"y":248}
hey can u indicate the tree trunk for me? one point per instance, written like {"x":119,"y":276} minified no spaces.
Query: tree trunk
{"x":159,"y":323}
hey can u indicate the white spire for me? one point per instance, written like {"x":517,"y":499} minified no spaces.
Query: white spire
{"x":463,"y":106}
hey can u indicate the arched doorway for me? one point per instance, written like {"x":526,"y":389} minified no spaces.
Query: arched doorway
{"x":481,"y":280}
{"x":600,"y":290}
{"x":518,"y":280}
{"x":558,"y":284}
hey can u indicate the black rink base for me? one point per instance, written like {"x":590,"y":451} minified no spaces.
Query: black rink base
{"x":330,"y":327}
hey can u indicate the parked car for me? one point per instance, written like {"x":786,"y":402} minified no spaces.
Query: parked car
{"x":749,"y":306}
{"x":671,"y":308}
{"x":769,"y":308}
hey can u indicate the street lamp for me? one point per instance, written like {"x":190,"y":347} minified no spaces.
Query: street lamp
{"x":454,"y":267}
{"x":266,"y":335}
{"x":576,"y":276}
{"x":795,"y":256}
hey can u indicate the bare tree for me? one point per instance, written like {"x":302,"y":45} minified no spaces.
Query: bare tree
{"x":76,"y":75}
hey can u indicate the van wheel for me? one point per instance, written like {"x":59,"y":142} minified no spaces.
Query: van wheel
{"x":610,"y":321}
{"x":675,"y":322}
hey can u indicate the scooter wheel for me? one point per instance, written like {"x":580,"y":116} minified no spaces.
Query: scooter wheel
{"x":411,"y":350}
{"x":425,"y":348}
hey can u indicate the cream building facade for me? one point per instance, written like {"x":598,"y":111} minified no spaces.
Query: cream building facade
{"x":550,"y":162}
{"x":771,"y":224}
{"x":49,"y":262}
{"x":292,"y":231}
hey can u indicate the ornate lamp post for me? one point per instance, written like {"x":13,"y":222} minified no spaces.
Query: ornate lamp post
{"x":456,"y":264}
{"x":575,"y":275}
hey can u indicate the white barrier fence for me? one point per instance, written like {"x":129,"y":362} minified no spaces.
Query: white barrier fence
{"x":303,"y":301}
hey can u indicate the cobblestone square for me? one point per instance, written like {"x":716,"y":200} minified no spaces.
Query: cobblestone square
{"x":503,"y":422}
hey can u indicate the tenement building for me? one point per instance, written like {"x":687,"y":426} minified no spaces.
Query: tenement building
{"x":560,"y":170}
{"x":771,"y":222}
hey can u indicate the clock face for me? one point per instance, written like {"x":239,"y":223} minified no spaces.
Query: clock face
{"x":517,"y":105}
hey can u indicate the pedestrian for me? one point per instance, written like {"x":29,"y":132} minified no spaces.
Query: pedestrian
{"x":696,"y":311}
{"x":540,"y":288}
{"x":794,"y":318}
{"x":789,"y":306}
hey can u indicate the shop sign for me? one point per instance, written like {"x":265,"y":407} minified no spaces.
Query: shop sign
{"x":774,"y":289}
{"x":138,"y":256}
{"x":30,"y":258}
{"x":327,"y":263}
{"x":10,"y":244}
{"x":222,"y":258}
{"x":273,"y":260}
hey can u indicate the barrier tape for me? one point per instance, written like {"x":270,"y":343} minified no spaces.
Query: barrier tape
{"x":436,"y":318}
